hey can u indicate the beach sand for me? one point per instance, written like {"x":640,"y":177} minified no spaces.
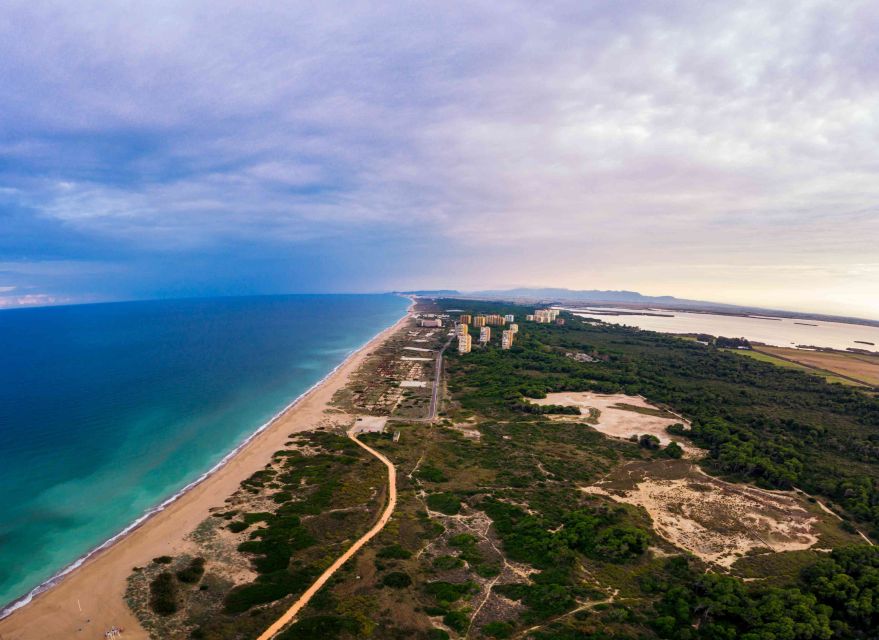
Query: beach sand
{"x":90,"y":600}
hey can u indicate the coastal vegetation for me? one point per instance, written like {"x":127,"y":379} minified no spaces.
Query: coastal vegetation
{"x":515,"y":520}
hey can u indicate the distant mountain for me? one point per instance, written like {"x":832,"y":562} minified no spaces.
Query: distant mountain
{"x":588,"y":295}
{"x":429,"y":292}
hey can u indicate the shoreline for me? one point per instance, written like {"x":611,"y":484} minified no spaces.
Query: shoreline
{"x":13,"y":615}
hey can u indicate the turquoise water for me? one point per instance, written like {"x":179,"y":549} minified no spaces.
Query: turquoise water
{"x":107,"y":410}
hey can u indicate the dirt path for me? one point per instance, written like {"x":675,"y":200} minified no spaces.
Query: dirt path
{"x":303,"y":600}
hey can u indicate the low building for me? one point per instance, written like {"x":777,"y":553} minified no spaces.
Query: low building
{"x":464,"y":343}
{"x":465,"y":318}
{"x":510,"y":317}
{"x":507,"y":339}
{"x":484,"y":334}
{"x":479,"y":321}
{"x":560,"y":321}
{"x":462,"y":330}
{"x":514,"y":328}
{"x":430,"y":322}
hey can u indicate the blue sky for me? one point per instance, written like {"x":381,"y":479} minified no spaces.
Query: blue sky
{"x":717,"y":151}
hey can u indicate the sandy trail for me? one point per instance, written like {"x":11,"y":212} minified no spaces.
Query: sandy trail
{"x":303,"y":600}
{"x":91,"y":599}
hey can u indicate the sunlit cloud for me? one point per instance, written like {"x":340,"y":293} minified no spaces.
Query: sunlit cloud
{"x":616,"y":145}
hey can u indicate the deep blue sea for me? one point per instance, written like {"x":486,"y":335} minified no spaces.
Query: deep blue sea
{"x":108,"y":409}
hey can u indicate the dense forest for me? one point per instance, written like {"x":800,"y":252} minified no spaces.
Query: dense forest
{"x":776,"y":427}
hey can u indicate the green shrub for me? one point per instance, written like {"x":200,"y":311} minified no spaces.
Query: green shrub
{"x":497,"y":629}
{"x":397,"y":580}
{"x":447,"y":503}
{"x":431,"y":474}
{"x":393,"y":551}
{"x":444,"y":563}
{"x":193,"y":572}
{"x":163,"y":594}
{"x":448,"y":592}
{"x":237,"y":526}
{"x":163,"y":560}
{"x":457,"y":620}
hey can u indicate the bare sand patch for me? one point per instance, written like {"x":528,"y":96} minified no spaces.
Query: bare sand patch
{"x":715,"y":520}
{"x":621,"y":416}
{"x":369,"y":424}
{"x":413,"y":383}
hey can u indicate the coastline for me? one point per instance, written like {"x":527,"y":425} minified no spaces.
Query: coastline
{"x":88,"y":595}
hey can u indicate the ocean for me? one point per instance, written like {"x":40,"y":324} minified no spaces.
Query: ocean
{"x":107,"y":410}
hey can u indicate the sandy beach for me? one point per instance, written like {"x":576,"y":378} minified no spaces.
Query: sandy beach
{"x":90,"y":600}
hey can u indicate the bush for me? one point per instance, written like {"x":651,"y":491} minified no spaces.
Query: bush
{"x":393,"y":551}
{"x":163,"y":560}
{"x":497,"y":629}
{"x":397,"y":580}
{"x":238,"y":526}
{"x":431,"y":474}
{"x":163,"y":594}
{"x":457,"y":620}
{"x":445,"y":563}
{"x":673,"y":450}
{"x":446,"y":503}
{"x":193,"y":572}
{"x":448,"y":592}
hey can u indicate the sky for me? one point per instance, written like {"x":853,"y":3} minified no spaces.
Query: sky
{"x":718,"y":151}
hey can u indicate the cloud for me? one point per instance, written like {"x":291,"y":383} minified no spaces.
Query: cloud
{"x":629,"y":133}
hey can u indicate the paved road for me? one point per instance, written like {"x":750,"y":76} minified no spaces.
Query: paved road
{"x":303,"y":600}
{"x":437,"y":378}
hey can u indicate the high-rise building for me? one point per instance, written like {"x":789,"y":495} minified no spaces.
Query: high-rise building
{"x":545,"y":315}
{"x":465,"y":318}
{"x":495,"y":320}
{"x":462,"y":330}
{"x":484,"y":334}
{"x":464,"y":342}
{"x":507,"y":339}
{"x":514,"y":328}
{"x":529,"y":317}
{"x":510,"y":317}
{"x":479,"y":321}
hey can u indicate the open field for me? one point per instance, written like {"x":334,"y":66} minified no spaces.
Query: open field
{"x":827,"y":375}
{"x":861,"y":367}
